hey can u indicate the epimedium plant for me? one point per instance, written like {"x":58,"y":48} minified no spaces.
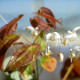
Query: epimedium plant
{"x":27,"y":54}
{"x":29,"y":58}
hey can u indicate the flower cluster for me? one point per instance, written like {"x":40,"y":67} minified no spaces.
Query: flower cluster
{"x":55,"y":36}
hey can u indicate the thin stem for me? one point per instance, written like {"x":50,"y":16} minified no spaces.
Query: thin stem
{"x":20,"y":76}
{"x":70,"y":68}
{"x":68,"y":72}
{"x":59,"y":47}
{"x":60,"y":28}
{"x":23,"y":37}
{"x":15,"y":30}
{"x":61,"y":31}
{"x":3,"y":19}
{"x":37,"y":69}
{"x":14,"y":48}
{"x":37,"y":37}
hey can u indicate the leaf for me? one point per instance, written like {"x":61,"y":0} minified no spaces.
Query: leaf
{"x":18,"y":43}
{"x":46,"y":11}
{"x":38,"y":22}
{"x":5,"y":44}
{"x":76,"y":67}
{"x":10,"y":27}
{"x":41,"y":41}
{"x":24,"y":56}
{"x":49,"y":17}
{"x":48,"y":63}
{"x":72,"y":74}
{"x":27,"y":70}
{"x":51,"y":23}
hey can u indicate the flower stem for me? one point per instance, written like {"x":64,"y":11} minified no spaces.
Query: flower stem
{"x":23,"y":37}
{"x":3,"y":19}
{"x":37,"y":37}
{"x":37,"y":69}
{"x":70,"y":68}
{"x":68,"y":72}
{"x":15,"y":30}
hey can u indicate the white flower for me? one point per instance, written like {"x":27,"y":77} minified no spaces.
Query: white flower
{"x":34,"y":32}
{"x":76,"y":28}
{"x":48,"y":36}
{"x":37,"y":28}
{"x":54,"y":36}
{"x":61,"y":57}
{"x":64,"y":41}
{"x":77,"y":48}
{"x":72,"y":34}
{"x":48,"y":51}
{"x":57,"y":37}
{"x":72,"y":55}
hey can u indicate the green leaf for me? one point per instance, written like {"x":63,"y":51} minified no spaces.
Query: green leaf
{"x":5,"y":43}
{"x":41,"y":41}
{"x":27,"y":70}
{"x":24,"y":56}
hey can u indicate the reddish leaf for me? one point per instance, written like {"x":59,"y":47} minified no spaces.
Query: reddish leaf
{"x":18,"y":43}
{"x":24,"y":56}
{"x":51,"y":23}
{"x":5,"y":44}
{"x":48,"y":63}
{"x":76,"y":67}
{"x":38,"y":22}
{"x":73,"y":74}
{"x":46,"y":11}
{"x":10,"y":27}
{"x":49,"y":17}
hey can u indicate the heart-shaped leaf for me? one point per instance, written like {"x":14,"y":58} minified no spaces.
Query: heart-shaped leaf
{"x":48,"y":63}
{"x":5,"y":43}
{"x":46,"y":11}
{"x":23,"y":56}
{"x":10,"y":27}
{"x":38,"y":22}
{"x":49,"y":17}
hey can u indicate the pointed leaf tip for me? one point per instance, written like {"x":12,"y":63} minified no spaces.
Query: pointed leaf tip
{"x":24,"y":56}
{"x":5,"y":44}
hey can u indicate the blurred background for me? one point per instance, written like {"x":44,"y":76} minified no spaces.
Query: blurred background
{"x":69,"y":10}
